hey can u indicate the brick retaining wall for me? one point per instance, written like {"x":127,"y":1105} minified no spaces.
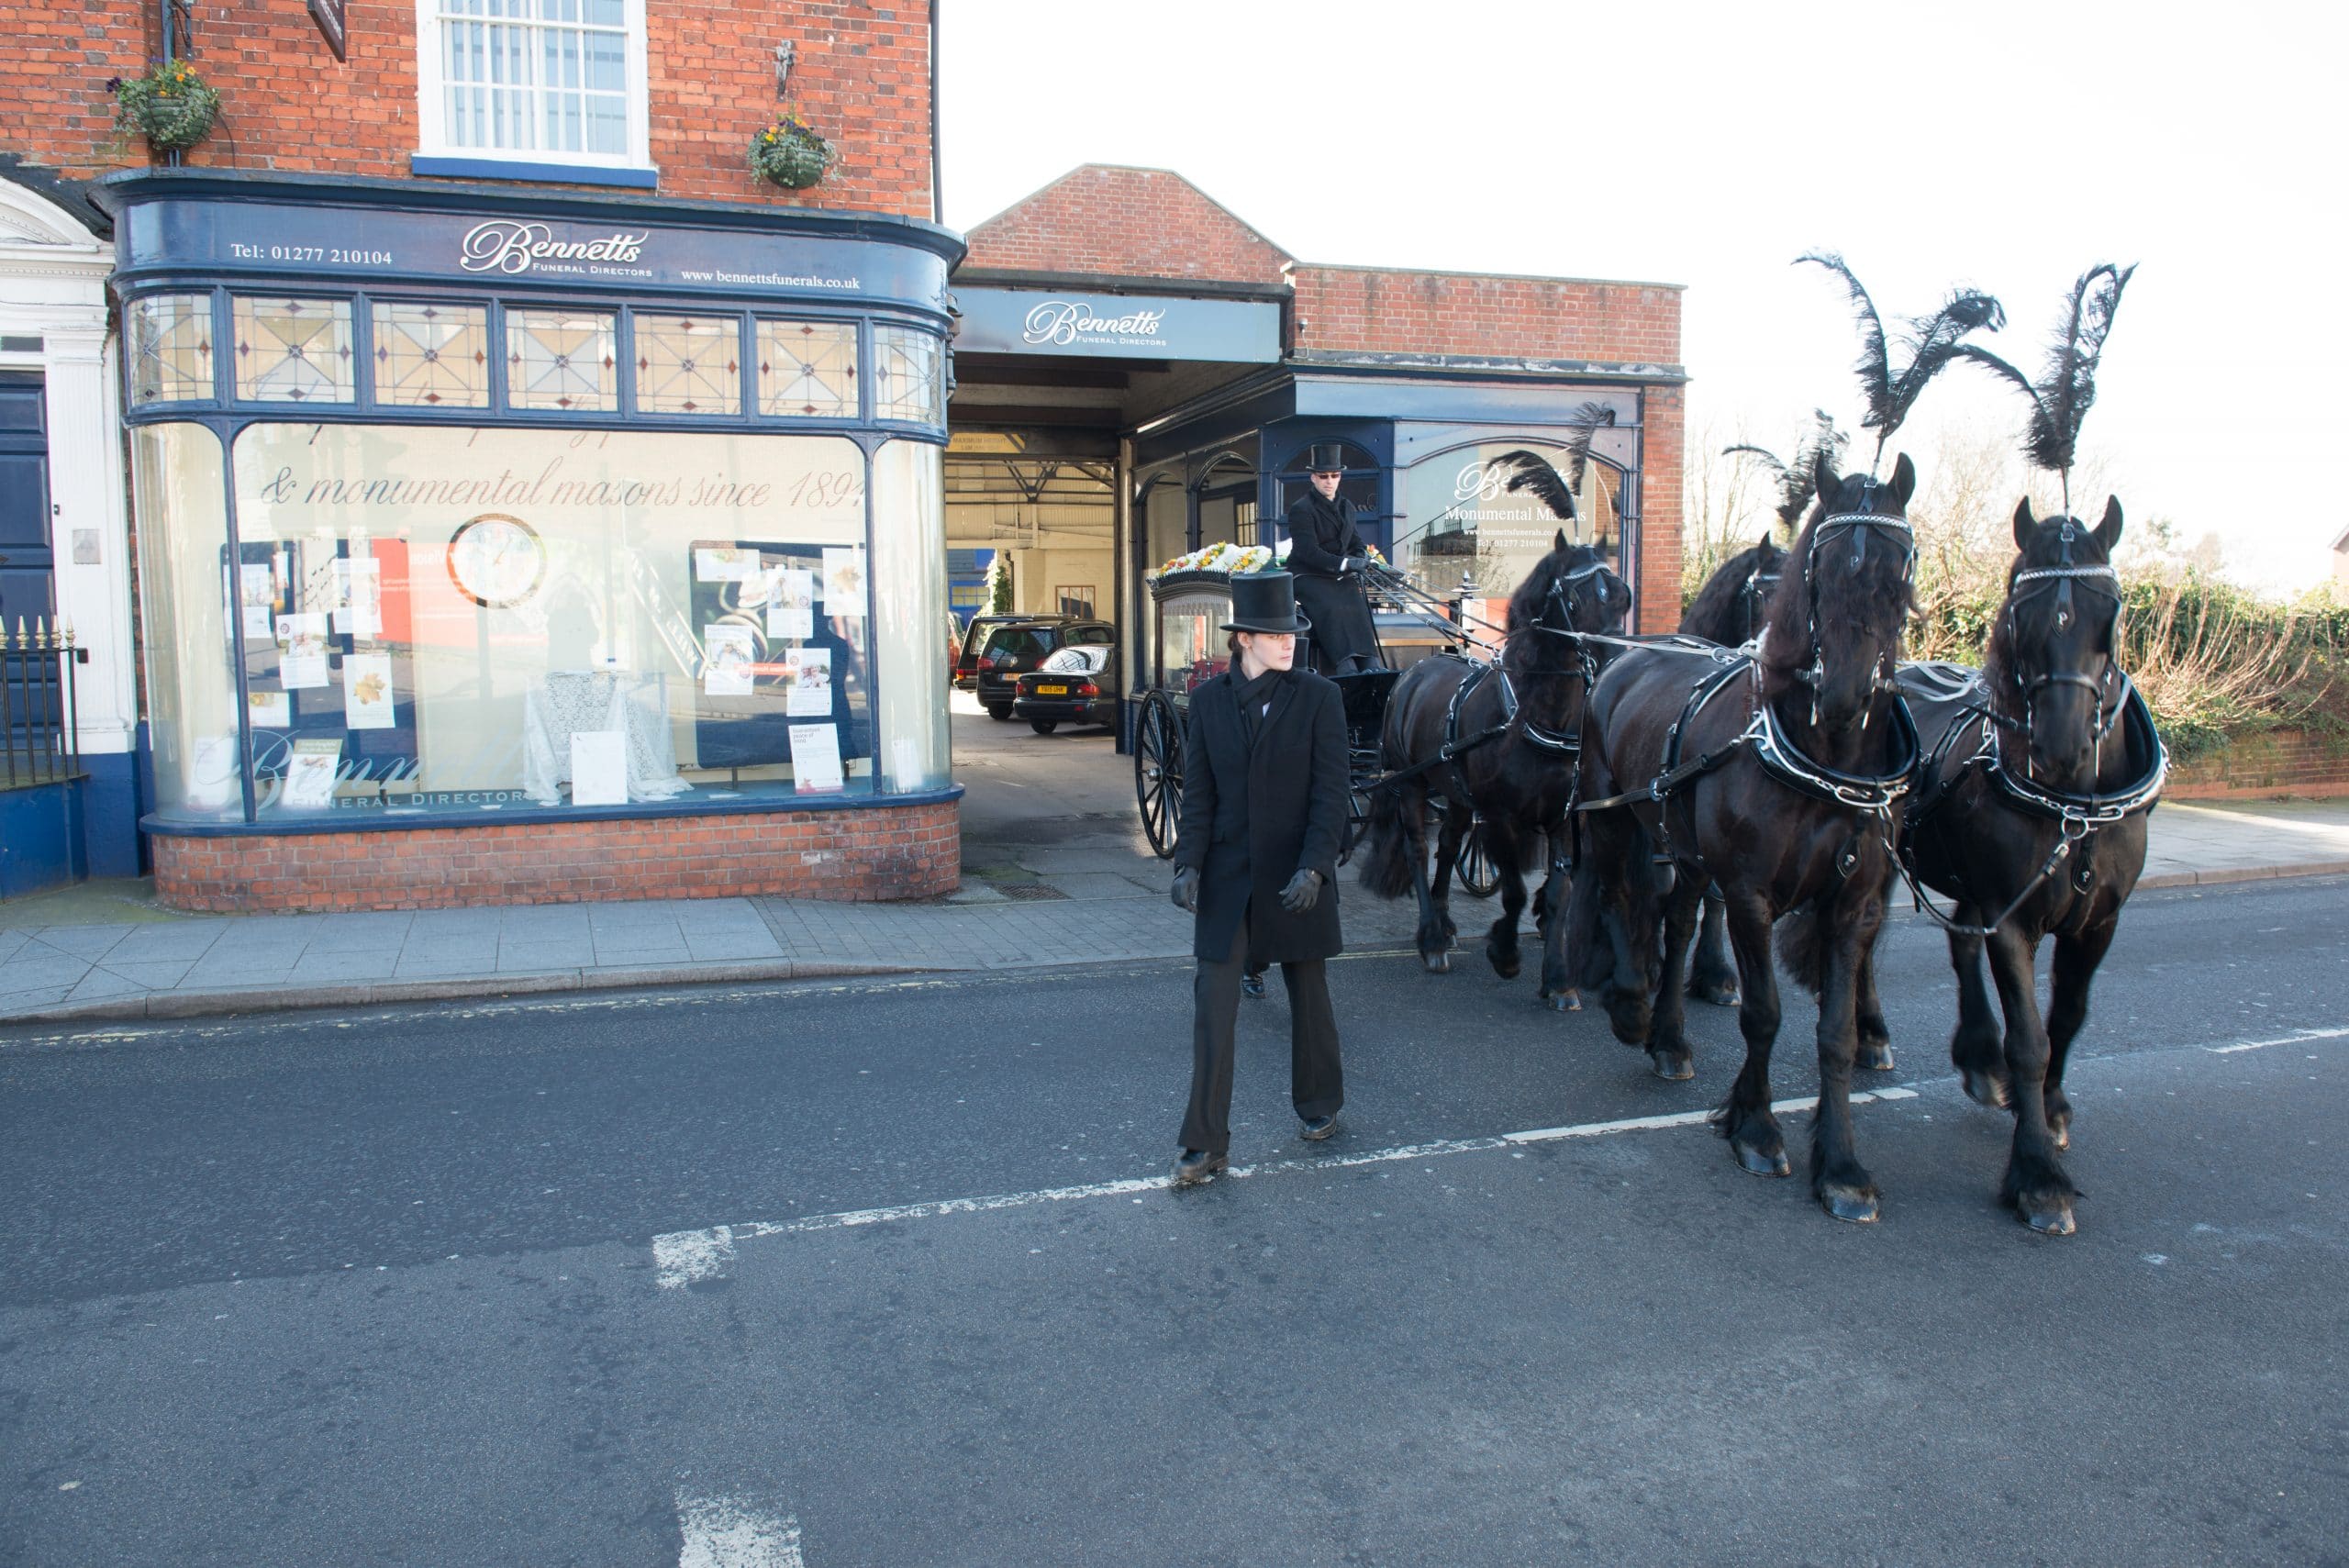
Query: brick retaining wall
{"x":2284,"y":763}
{"x":870,"y":854}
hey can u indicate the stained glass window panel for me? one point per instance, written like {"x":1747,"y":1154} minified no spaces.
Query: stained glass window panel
{"x":293,"y":350}
{"x":689,"y":364}
{"x":808,"y":368}
{"x":171,"y":348}
{"x":561,"y":359}
{"x":432,"y":356}
{"x":908,"y":375}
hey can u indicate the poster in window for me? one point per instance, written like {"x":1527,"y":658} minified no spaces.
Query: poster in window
{"x":598,"y":767}
{"x":358,"y":605}
{"x":367,"y":691}
{"x":791,"y":605}
{"x":726,"y":659}
{"x":309,"y":773}
{"x":810,"y":673}
{"x":815,"y":758}
{"x":259,"y":597}
{"x":303,"y":662}
{"x":268,"y":710}
{"x":725,"y":564}
{"x":843,"y":582}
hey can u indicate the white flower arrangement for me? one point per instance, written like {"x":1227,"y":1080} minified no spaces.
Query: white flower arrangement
{"x":1222,"y":557}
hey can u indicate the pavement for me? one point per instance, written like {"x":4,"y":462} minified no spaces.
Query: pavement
{"x":1055,"y":871}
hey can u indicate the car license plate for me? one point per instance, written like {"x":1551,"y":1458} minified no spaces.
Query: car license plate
{"x":1051,"y":691}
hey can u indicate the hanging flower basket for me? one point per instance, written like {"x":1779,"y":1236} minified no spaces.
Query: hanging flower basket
{"x":790,"y":154}
{"x":170,"y":106}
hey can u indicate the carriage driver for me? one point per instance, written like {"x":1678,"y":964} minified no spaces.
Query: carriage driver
{"x":1329,"y":557}
{"x":1263,"y":809}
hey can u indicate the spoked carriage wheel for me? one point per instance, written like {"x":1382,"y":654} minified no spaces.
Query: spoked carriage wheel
{"x":1158,"y":772}
{"x":1475,"y":868}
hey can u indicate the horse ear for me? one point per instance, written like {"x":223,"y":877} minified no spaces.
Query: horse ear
{"x":1769,"y":537}
{"x":1561,"y":546}
{"x":1823,"y":480}
{"x":2107,"y":532}
{"x":1904,"y":479}
{"x":2024,"y":523}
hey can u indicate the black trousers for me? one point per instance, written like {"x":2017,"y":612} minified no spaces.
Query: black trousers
{"x":1316,"y":1087}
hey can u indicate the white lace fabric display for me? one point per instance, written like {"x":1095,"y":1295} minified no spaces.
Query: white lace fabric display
{"x":570,"y":701}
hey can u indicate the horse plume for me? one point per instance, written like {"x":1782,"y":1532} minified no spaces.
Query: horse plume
{"x":1547,"y":485}
{"x":1798,"y":479}
{"x":1932,"y":342}
{"x":2060,"y":399}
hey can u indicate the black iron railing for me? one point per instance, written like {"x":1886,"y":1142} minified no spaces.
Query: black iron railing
{"x":38,"y":739}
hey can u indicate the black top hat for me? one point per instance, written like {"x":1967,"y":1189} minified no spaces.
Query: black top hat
{"x":1266,"y":602}
{"x":1327,"y":457}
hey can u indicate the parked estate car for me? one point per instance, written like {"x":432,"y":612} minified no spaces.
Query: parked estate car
{"x":1012,"y":649}
{"x":973,"y":638}
{"x":1077,"y":686}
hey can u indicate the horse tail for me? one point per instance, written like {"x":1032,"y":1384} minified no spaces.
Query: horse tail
{"x":1802,"y":947}
{"x":1387,"y":848}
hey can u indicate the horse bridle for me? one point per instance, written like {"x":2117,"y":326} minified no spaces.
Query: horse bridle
{"x":2060,"y":579}
{"x":1861,"y":525}
{"x":1759,"y":586}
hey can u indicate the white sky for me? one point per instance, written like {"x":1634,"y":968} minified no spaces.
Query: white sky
{"x":2005,"y":146}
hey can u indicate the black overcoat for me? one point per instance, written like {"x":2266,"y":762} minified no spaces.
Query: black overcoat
{"x":1253,"y":817}
{"x":1322,"y":535}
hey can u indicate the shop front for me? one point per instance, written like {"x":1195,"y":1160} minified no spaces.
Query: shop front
{"x":498,"y":546}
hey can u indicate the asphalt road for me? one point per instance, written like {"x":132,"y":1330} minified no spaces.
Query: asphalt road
{"x":385,"y":1288}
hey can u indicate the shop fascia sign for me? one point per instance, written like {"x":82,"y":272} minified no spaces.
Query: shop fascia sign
{"x":358,"y":243}
{"x":1106,"y":326}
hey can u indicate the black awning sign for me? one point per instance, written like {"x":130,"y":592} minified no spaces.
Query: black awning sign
{"x":328,"y":14}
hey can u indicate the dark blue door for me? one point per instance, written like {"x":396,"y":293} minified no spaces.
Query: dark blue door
{"x":27,"y":563}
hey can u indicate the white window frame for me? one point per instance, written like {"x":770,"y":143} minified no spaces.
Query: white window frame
{"x":432,"y":100}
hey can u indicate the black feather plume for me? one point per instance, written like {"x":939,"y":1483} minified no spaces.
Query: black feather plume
{"x":1585,"y":423}
{"x":1932,"y":342}
{"x":2060,"y":399}
{"x":1798,"y":479}
{"x":1546,"y":483}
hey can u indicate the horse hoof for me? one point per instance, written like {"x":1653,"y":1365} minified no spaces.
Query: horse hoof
{"x":1564,"y":1000}
{"x":2061,"y":1131}
{"x":1874,"y":1055}
{"x":1985,"y":1089}
{"x":1762,"y":1162}
{"x":1851,"y":1205}
{"x":1505,"y":968}
{"x":2050,"y":1217}
{"x":1721,"y":995}
{"x":1437,"y":963}
{"x":1674,"y":1066}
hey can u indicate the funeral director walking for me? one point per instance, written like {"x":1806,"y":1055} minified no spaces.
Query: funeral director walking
{"x":1263,"y":807}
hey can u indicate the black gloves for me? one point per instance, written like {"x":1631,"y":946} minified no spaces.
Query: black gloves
{"x":1354,"y":565}
{"x":1186,"y":890}
{"x":1303,"y":892}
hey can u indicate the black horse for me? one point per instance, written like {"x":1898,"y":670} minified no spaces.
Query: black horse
{"x":1512,"y":726}
{"x":1729,"y":610}
{"x":1774,"y":778}
{"x":2032,"y":814}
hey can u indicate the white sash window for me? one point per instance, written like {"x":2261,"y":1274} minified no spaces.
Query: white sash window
{"x":533,"y":81}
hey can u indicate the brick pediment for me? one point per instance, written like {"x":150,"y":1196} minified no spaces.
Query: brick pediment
{"x":1114,"y":221}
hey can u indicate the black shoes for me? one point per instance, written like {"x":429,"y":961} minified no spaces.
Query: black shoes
{"x":1314,"y":1129}
{"x":1251,"y":983}
{"x":1196,"y":1165}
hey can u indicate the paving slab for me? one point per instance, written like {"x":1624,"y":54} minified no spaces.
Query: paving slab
{"x":89,"y":942}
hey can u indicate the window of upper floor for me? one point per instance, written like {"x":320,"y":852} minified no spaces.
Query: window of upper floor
{"x":532,"y":82}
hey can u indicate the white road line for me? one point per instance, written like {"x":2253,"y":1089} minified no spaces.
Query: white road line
{"x":683,"y":1256}
{"x":2279,"y":1040}
{"x":722,"y":1534}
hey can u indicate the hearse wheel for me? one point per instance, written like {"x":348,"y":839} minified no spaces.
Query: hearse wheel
{"x":1158,"y":772}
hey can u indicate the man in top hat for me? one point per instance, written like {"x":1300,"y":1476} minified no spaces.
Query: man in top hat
{"x":1264,"y":790}
{"x":1328,"y":556}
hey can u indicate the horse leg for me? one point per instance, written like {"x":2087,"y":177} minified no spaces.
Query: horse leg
{"x":1849,"y":922}
{"x":1874,"y":1050}
{"x":2036,"y":1186}
{"x":1668,"y":1046}
{"x":1457,"y":824}
{"x":1557,"y":987}
{"x":1433,"y":943}
{"x":1975,"y":1049}
{"x":1500,"y":942}
{"x":1711,"y":978}
{"x":2075,"y":963}
{"x":1745,"y":1118}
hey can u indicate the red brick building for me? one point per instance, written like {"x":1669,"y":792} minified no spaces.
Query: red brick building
{"x":529,"y":501}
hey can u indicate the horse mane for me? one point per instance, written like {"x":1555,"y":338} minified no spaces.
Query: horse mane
{"x":1845,"y":596}
{"x":1713,"y":613}
{"x":1525,"y":606}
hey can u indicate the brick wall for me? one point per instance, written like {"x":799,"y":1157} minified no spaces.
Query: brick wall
{"x":2266,"y":767}
{"x":1375,"y":310}
{"x":1663,"y":414}
{"x":1120,"y":222}
{"x":880,"y":853}
{"x":861,"y":77}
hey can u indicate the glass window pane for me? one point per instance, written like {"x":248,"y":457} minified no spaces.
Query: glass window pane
{"x":171,"y":348}
{"x":908,"y":606}
{"x":431,"y":356}
{"x":1461,"y":518}
{"x":296,"y":350}
{"x":689,"y":364}
{"x":908,"y":375}
{"x":808,"y":368}
{"x":187,"y":593}
{"x":474,"y":618}
{"x":561,"y":359}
